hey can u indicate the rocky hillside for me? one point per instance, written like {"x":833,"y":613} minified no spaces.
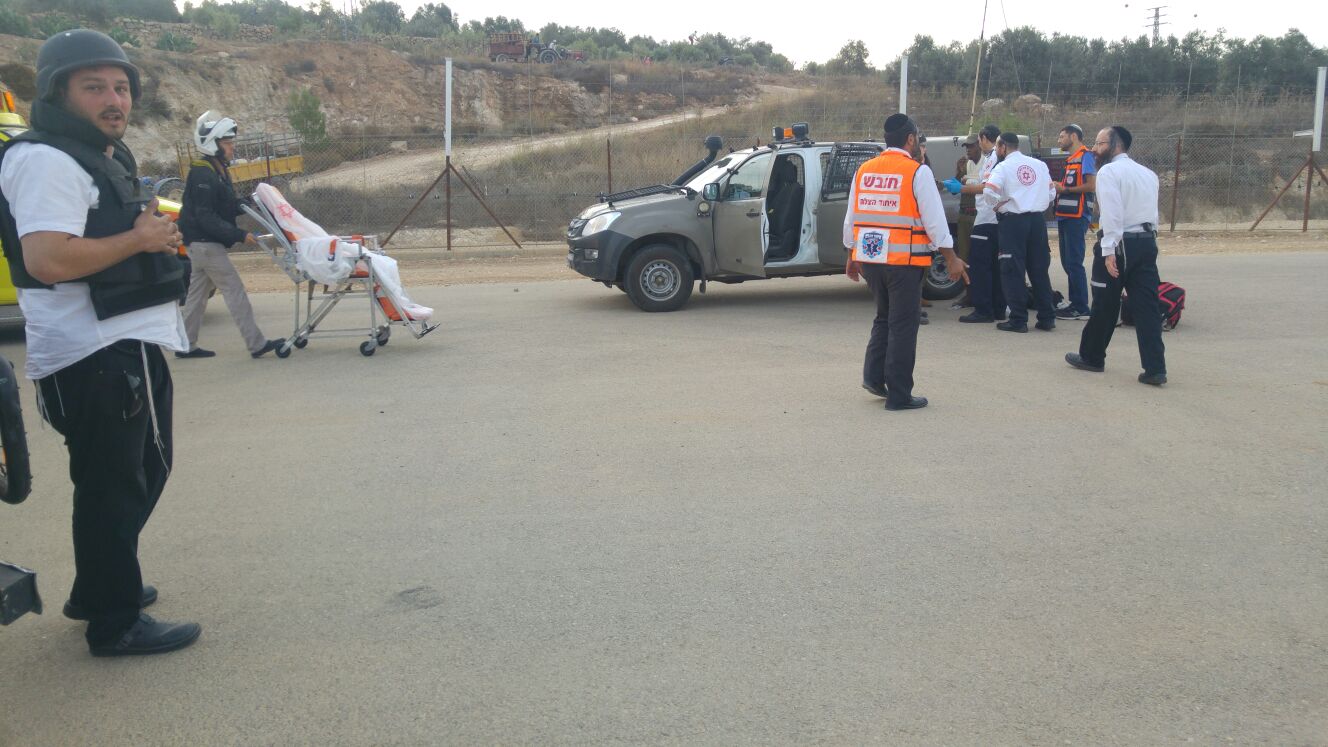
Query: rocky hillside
{"x":369,"y":88}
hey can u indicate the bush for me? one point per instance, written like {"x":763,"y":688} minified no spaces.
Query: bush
{"x":175,"y":43}
{"x":227,"y":25}
{"x":49,"y":25}
{"x":13,"y":22}
{"x":305,"y":111}
{"x":121,"y":36}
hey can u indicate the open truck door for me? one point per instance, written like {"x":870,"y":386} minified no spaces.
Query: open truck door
{"x":835,"y":187}
{"x":741,"y":233}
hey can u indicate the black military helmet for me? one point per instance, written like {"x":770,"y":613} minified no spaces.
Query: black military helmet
{"x":75,"y":49}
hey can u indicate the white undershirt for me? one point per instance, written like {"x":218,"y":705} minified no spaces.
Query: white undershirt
{"x":48,"y":191}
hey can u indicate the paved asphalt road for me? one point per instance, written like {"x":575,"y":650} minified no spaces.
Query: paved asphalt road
{"x":560,"y":520}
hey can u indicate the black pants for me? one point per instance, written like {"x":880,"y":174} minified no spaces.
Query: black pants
{"x":892,"y":349}
{"x":984,"y":288}
{"x":100,"y":406}
{"x":1024,"y":250}
{"x":1137,"y":264}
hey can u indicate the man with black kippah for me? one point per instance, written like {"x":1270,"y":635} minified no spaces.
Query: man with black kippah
{"x":1127,"y":196}
{"x":99,"y":281}
{"x":895,"y":223}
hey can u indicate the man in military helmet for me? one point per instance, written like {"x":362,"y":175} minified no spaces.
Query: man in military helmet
{"x":98,"y":280}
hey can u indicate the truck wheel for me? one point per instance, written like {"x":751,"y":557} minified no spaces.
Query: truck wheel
{"x":548,"y":56}
{"x":15,"y":476}
{"x":502,"y":58}
{"x":659,"y":278}
{"x":937,"y":285}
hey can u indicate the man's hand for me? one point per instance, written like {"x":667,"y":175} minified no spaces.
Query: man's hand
{"x":1060,"y":188}
{"x":854,"y":270}
{"x":155,"y":233}
{"x":952,"y":186}
{"x":957,"y":268}
{"x":249,"y":238}
{"x":1110,"y":261}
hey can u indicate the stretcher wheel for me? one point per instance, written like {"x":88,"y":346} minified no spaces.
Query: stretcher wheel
{"x":368,"y":347}
{"x":301,"y":342}
{"x":384,"y":335}
{"x":283,"y":352}
{"x":15,"y":474}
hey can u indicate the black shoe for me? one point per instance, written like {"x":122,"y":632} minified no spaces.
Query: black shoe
{"x":74,"y":611}
{"x":1068,"y":313}
{"x":976,"y":318}
{"x":196,"y":353}
{"x":913,"y":403}
{"x":876,"y":389}
{"x":923,"y":319}
{"x":268,"y":347}
{"x":1046,"y":326}
{"x":1076,"y":360}
{"x":147,"y":636}
{"x":1012,"y":327}
{"x":1153,"y":379}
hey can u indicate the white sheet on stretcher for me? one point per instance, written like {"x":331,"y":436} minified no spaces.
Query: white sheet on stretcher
{"x":329,"y":260}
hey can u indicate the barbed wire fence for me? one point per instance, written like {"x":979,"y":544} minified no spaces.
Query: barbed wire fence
{"x":1222,"y":156}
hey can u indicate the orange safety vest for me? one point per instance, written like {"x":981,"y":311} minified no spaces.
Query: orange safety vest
{"x":887,"y":223}
{"x":1073,"y":205}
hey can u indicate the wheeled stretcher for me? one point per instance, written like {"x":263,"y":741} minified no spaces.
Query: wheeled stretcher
{"x":344,"y":266}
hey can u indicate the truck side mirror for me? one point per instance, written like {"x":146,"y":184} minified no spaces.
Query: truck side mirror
{"x":710,"y":191}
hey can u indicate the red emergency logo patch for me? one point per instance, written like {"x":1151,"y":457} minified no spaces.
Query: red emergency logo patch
{"x":1025,"y":175}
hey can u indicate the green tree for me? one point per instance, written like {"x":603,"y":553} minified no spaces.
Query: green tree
{"x":431,"y":19}
{"x":851,"y":60}
{"x":380,"y":17}
{"x":304,"y":111}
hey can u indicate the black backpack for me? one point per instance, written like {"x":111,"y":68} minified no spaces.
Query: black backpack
{"x":1170,"y":299}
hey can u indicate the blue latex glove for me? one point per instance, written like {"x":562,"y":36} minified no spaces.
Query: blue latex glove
{"x":952,"y":186}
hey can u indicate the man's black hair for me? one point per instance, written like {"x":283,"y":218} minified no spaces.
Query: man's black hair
{"x":991,"y":132}
{"x":1075,"y":130}
{"x":897,"y":129}
{"x":1121,"y":138}
{"x":1010,"y":139}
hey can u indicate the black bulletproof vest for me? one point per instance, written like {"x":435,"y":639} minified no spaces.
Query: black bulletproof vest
{"x":138,"y":282}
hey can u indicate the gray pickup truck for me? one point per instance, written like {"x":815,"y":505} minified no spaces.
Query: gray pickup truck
{"x":772,"y":211}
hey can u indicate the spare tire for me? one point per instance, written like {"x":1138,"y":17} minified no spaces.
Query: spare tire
{"x":15,"y":472}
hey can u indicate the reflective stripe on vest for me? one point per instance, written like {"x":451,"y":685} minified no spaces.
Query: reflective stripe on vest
{"x":887,"y":224}
{"x":1072,"y":205}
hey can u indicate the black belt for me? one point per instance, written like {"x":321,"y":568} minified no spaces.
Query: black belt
{"x":1139,"y":235}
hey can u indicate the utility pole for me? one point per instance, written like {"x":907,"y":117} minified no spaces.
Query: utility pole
{"x":1157,"y":22}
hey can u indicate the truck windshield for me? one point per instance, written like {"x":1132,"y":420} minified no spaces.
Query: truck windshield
{"x":712,"y":173}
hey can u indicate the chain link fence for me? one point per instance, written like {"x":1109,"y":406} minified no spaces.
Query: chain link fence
{"x":533,"y":183}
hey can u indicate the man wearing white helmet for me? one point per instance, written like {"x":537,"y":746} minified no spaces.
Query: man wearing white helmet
{"x":207,"y":222}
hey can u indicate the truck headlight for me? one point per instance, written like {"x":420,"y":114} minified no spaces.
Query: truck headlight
{"x":600,"y":222}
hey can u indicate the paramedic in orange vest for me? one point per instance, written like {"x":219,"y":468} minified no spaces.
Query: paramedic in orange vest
{"x":895,"y":223}
{"x":1074,"y":211}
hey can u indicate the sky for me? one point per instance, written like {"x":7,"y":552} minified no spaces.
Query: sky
{"x":817,"y":33}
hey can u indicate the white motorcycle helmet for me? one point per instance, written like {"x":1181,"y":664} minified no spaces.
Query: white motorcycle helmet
{"x":211,"y":127}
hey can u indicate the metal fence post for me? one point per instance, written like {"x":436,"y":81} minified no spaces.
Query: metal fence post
{"x":1309,"y":182}
{"x":1175,"y":184}
{"x":608,"y":150}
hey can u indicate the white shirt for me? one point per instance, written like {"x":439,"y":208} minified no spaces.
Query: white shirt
{"x":48,"y":191}
{"x":1126,"y":200}
{"x":1021,"y":184}
{"x":986,"y":203}
{"x":929,"y":205}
